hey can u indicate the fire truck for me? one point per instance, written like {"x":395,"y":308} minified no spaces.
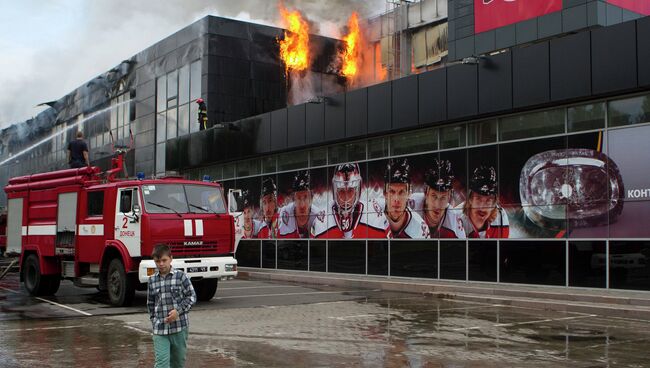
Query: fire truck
{"x":98,"y":231}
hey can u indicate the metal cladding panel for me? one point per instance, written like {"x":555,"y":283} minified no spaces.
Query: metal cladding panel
{"x":256,"y":132}
{"x":296,"y":125}
{"x":432,"y":96}
{"x":571,"y":66}
{"x":530,"y":72}
{"x":335,"y":117}
{"x":229,"y":46}
{"x":643,"y":48}
{"x":379,"y":107}
{"x":613,"y":55}
{"x":315,"y":127}
{"x":185,"y":146}
{"x":279,"y":130}
{"x":405,"y":102}
{"x":356,"y":113}
{"x":462,"y":87}
{"x":171,"y":155}
{"x":495,"y":83}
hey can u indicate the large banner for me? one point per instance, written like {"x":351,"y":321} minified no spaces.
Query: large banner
{"x":637,"y":6}
{"x":491,"y":14}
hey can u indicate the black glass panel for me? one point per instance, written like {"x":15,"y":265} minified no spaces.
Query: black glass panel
{"x":317,"y":255}
{"x":531,"y":262}
{"x":452,"y":260}
{"x":414,"y":259}
{"x":377,"y":257}
{"x":482,"y":261}
{"x":248,"y":253}
{"x":268,"y":254}
{"x":587,"y":260}
{"x":347,"y":256}
{"x":292,"y":254}
{"x":628,"y":265}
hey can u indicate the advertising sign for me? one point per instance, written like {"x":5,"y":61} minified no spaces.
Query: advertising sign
{"x":491,"y":14}
{"x":637,"y":6}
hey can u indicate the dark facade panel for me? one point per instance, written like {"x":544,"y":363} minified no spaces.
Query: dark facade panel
{"x":229,"y":27}
{"x":462,"y":86}
{"x":432,"y":96}
{"x":228,"y":46}
{"x":643,"y":47}
{"x":485,"y":42}
{"x":279,"y":130}
{"x":465,"y":47}
{"x":315,"y":127}
{"x":379,"y":107}
{"x":256,"y":131}
{"x":296,"y":125}
{"x":526,"y":30}
{"x":145,"y":107}
{"x":530,"y":73}
{"x":495,"y":83}
{"x":335,"y":117}
{"x":146,"y":90}
{"x":614,"y":14}
{"x":549,"y":25}
{"x":613,"y":55}
{"x":405,"y":102}
{"x":570,"y":66}
{"x":506,"y":36}
{"x":574,"y":18}
{"x":356,"y":113}
{"x":144,"y":124}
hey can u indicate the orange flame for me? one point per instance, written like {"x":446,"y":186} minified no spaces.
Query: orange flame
{"x":294,"y":48}
{"x":380,"y":70}
{"x":351,"y":53}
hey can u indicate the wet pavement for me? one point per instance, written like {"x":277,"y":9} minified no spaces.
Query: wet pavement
{"x":263,"y":324}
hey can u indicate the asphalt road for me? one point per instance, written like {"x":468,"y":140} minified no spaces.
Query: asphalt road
{"x":263,"y":324}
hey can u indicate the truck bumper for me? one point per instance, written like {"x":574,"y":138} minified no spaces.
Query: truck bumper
{"x":222,"y":268}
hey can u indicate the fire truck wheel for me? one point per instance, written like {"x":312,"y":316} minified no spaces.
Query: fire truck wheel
{"x":35,"y":283}
{"x":205,"y":289}
{"x":120,"y":287}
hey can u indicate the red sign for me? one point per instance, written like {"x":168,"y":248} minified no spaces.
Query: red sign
{"x":637,"y":6}
{"x":491,"y":14}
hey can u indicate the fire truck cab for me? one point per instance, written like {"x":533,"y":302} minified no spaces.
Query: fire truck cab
{"x":81,"y":225}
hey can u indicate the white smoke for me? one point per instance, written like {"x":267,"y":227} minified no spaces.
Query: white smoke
{"x":101,"y":33}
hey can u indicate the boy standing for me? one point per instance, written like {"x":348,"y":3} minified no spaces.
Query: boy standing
{"x":169,"y":299}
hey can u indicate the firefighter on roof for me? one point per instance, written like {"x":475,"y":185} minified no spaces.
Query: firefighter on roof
{"x":202,"y":115}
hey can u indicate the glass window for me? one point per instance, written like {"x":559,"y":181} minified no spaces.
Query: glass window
{"x":161,"y":94}
{"x":378,"y":148}
{"x":172,"y":84}
{"x":586,"y":117}
{"x":165,"y":198}
{"x":126,"y":201}
{"x":532,"y":125}
{"x":229,"y":171}
{"x":293,"y":160}
{"x":318,"y":157}
{"x":247,"y":168}
{"x":171,"y":123}
{"x":202,"y":198}
{"x":347,"y":152}
{"x":184,"y":84}
{"x":160,"y":158}
{"x":95,"y":203}
{"x":161,"y":127}
{"x":183,"y":120}
{"x":452,"y":136}
{"x":420,"y":141}
{"x":195,"y":80}
{"x":629,"y":111}
{"x":268,"y":164}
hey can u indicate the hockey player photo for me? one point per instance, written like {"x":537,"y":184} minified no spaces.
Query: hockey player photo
{"x":435,"y":204}
{"x":297,"y":217}
{"x":252,"y":228}
{"x":482,"y":216}
{"x":403,"y":222}
{"x":348,"y":218}
{"x":269,"y":206}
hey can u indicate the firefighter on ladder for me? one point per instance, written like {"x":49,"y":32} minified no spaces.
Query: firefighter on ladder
{"x":203,"y":114}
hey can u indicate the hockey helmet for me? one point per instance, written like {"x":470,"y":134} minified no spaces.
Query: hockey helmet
{"x":484,"y":181}
{"x":397,"y":171}
{"x":440,"y":176}
{"x":346,"y":176}
{"x":301,"y":181}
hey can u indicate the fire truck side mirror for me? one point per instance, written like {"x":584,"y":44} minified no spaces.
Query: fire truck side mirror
{"x":136,"y":209}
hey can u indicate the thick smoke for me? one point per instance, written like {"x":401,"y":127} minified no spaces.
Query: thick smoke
{"x":109,"y":31}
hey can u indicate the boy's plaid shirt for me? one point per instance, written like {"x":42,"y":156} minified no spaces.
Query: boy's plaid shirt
{"x":174,"y":291}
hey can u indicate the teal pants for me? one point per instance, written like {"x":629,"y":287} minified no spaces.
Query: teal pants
{"x":170,"y":349}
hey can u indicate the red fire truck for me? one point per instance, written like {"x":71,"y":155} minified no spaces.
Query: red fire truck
{"x":98,"y":231}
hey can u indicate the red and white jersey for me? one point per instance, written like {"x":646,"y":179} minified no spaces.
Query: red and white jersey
{"x":499,"y":228}
{"x":414,"y":227}
{"x":451,"y":224}
{"x":358,"y":225}
{"x":267,"y":230}
{"x":260,"y":230}
{"x":287,"y":225}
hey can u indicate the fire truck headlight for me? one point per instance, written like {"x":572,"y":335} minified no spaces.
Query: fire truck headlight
{"x":231,"y":267}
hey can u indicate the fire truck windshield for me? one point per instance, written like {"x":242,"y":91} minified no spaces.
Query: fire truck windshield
{"x":178,"y":198}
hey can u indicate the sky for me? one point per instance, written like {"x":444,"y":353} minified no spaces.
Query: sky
{"x":49,"y":48}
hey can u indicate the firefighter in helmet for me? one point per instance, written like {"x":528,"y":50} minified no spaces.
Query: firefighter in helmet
{"x":202,"y":117}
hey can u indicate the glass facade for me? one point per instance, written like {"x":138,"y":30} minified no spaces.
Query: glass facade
{"x":537,"y":198}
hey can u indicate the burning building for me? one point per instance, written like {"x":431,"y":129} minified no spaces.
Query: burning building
{"x":532,"y":125}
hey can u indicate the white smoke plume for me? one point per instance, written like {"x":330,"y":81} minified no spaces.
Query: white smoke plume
{"x":99,"y":34}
